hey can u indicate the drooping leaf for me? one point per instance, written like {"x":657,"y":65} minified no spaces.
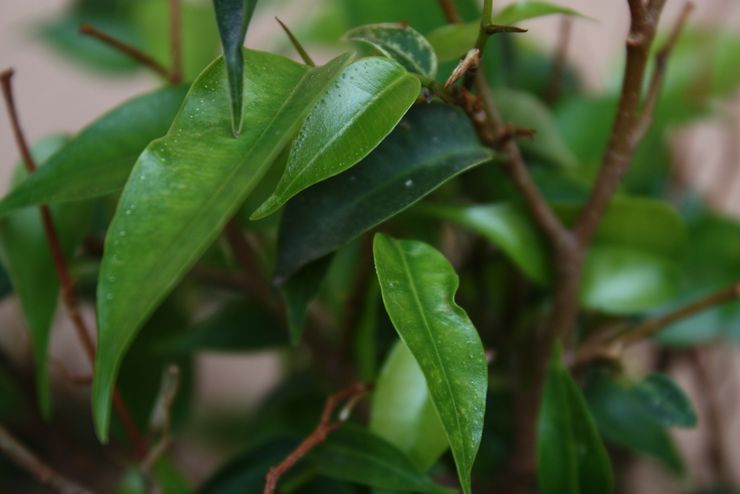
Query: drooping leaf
{"x":400,"y":42}
{"x":352,"y":118}
{"x":298,"y":292}
{"x":665,"y":401}
{"x":184,"y":188}
{"x":623,"y":420}
{"x":357,"y":455}
{"x":25,"y":253}
{"x":99,"y":159}
{"x":571,"y":458}
{"x":232,"y":17}
{"x":402,"y":410}
{"x":418,"y":286}
{"x":432,"y":144}
{"x":528,"y":9}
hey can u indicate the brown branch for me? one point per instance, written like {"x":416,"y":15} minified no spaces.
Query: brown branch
{"x":174,"y":75}
{"x":349,"y":395}
{"x":126,"y":49}
{"x":560,"y":61}
{"x":450,"y":11}
{"x":468,"y":65}
{"x":297,"y":44}
{"x":66,"y":283}
{"x":25,"y":459}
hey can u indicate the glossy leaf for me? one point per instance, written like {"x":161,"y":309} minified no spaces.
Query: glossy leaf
{"x":418,"y":286}
{"x":665,"y":401}
{"x":232,"y":17}
{"x":352,"y":118}
{"x":184,"y":188}
{"x":571,"y":458}
{"x":400,"y":42}
{"x":99,"y":159}
{"x":522,"y":10}
{"x":356,"y":455}
{"x":24,"y":250}
{"x":623,"y":420}
{"x":402,"y":411}
{"x":432,"y":144}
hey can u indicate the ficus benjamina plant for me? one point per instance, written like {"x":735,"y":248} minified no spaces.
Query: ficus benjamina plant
{"x":447,"y":243}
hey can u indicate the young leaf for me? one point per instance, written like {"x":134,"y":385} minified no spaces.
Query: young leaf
{"x":232,"y":17}
{"x":400,"y":42}
{"x":184,"y":188}
{"x":418,"y":286}
{"x":571,"y":458}
{"x":402,"y":411}
{"x":98,"y":160}
{"x":432,"y":144}
{"x":521,"y":11}
{"x":357,"y":455}
{"x":24,"y":250}
{"x":665,"y":401}
{"x":352,"y":118}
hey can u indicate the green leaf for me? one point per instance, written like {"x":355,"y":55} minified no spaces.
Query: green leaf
{"x":25,"y":252}
{"x":418,"y":13}
{"x":400,"y":42}
{"x":184,"y":188}
{"x":232,"y":17}
{"x":98,"y":161}
{"x":665,"y":401}
{"x":452,"y":41}
{"x":523,"y":110}
{"x":356,"y":455}
{"x":299,"y":291}
{"x":432,"y":144}
{"x":522,"y":10}
{"x":571,"y":458}
{"x":402,"y":410}
{"x":352,"y":118}
{"x":418,"y":286}
{"x":623,"y":420}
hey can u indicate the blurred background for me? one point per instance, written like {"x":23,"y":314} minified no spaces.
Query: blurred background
{"x":58,"y":92}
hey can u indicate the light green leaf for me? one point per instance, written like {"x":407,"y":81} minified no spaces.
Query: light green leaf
{"x":185,"y":187}
{"x":522,"y":10}
{"x":400,"y":42}
{"x":25,"y":253}
{"x":665,"y":401}
{"x":571,"y":459}
{"x":352,"y":118}
{"x":99,"y":160}
{"x":452,"y":41}
{"x":402,"y":411}
{"x":356,"y":455}
{"x":418,"y":286}
{"x":431,"y":145}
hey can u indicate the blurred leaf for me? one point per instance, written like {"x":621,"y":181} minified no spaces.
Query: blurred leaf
{"x":586,"y":141}
{"x":14,"y":405}
{"x":432,"y":144}
{"x":402,"y":410}
{"x":232,"y":17}
{"x":452,"y":41}
{"x":99,"y":159}
{"x":418,"y":286}
{"x":187,"y":205}
{"x":419,"y":14}
{"x":352,"y":118}
{"x":664,"y":400}
{"x":299,"y":290}
{"x":25,"y":253}
{"x":523,"y":10}
{"x":570,"y":455}
{"x":400,"y":42}
{"x":356,"y":455}
{"x":623,"y":420}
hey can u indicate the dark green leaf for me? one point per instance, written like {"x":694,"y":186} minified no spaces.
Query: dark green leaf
{"x":352,"y":118}
{"x":99,"y":160}
{"x":298,"y":292}
{"x":418,"y":286}
{"x":571,"y":458}
{"x":402,"y":410}
{"x":184,"y":188}
{"x":623,"y":420}
{"x":232,"y":17}
{"x":665,"y":401}
{"x":400,"y":42}
{"x":432,"y":144}
{"x":356,"y":455}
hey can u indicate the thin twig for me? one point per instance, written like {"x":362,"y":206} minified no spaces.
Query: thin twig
{"x":251,"y":274}
{"x":297,"y":45}
{"x":468,"y":65}
{"x":560,"y":61}
{"x":126,"y":49}
{"x":349,"y":395}
{"x":450,"y":11}
{"x":66,"y":283}
{"x":162,"y":416}
{"x":175,"y":73}
{"x":25,"y":459}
